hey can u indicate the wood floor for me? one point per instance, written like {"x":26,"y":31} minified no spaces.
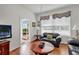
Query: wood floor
{"x":25,"y":50}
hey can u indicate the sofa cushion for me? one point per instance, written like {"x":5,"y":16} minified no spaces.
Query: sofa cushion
{"x":54,"y":35}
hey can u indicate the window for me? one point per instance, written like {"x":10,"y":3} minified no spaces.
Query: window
{"x":58,"y":25}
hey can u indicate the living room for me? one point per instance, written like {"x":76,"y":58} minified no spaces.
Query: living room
{"x":59,"y":21}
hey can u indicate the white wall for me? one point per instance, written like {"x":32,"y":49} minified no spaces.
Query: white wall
{"x":74,"y":17}
{"x":11,"y":14}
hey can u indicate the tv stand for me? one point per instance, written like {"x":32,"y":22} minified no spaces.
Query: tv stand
{"x":4,"y":47}
{"x":1,"y":40}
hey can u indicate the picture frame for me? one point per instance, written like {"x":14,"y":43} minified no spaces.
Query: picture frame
{"x":33,"y":24}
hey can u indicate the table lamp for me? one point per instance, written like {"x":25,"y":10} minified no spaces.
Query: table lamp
{"x":75,"y":28}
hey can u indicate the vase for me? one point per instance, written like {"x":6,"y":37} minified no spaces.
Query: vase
{"x":41,"y":45}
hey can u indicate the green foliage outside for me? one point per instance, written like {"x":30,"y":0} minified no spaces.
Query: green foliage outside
{"x":25,"y":31}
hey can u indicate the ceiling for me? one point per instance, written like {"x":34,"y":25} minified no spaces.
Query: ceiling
{"x":38,"y":8}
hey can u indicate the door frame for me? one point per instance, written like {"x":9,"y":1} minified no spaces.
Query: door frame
{"x":20,"y":20}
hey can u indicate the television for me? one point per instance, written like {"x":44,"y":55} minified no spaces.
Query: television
{"x":5,"y":31}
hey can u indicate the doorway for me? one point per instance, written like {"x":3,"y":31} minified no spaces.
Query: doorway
{"x":24,"y":32}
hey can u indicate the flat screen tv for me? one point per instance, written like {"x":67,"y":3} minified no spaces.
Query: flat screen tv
{"x":5,"y":31}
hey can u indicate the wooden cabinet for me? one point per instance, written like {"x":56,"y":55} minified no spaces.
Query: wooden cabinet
{"x":4,"y":47}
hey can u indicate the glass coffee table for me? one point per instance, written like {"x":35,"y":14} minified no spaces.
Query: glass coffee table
{"x":48,"y":48}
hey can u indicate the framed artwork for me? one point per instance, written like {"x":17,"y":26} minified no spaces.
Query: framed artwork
{"x":33,"y":24}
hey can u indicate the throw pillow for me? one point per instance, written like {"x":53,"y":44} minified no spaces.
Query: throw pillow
{"x":49,"y":36}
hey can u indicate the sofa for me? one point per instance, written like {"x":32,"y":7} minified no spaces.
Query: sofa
{"x":55,"y":38}
{"x":73,"y":47}
{"x":54,"y":35}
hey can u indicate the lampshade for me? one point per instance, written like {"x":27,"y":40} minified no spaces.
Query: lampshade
{"x":75,"y":27}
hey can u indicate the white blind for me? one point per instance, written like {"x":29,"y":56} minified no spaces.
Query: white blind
{"x":58,"y":25}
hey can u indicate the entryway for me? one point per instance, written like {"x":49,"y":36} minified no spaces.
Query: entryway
{"x":24,"y":30}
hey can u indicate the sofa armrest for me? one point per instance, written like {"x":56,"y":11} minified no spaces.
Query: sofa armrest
{"x":58,"y":41}
{"x":74,"y":42}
